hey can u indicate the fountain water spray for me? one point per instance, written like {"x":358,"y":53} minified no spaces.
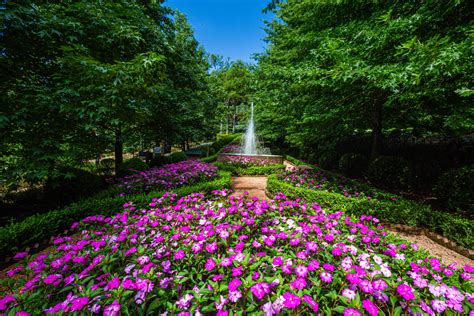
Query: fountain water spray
{"x":250,"y":139}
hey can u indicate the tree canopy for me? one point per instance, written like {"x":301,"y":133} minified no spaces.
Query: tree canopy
{"x":86,"y":76}
{"x":339,"y":68}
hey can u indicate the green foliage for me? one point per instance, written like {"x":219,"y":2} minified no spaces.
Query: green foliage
{"x":41,"y":227}
{"x":401,"y":211}
{"x":177,"y":157}
{"x":69,"y":184}
{"x":222,"y":141}
{"x":295,"y":161}
{"x":329,"y":160}
{"x":132,"y":165}
{"x":390,"y":172}
{"x":106,"y":166}
{"x":253,"y":170}
{"x":334,"y":69}
{"x":159,"y":161}
{"x":455,"y":189}
{"x":353,"y":164}
{"x":83,"y":77}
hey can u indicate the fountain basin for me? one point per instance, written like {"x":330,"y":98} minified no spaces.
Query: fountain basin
{"x":268,"y":159}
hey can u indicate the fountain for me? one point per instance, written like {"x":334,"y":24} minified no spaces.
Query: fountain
{"x":251,"y":148}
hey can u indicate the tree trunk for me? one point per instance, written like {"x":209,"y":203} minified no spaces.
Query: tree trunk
{"x":377,"y":128}
{"x":163,"y":148}
{"x":118,"y":150}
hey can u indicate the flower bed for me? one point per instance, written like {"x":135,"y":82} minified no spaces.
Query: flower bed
{"x":167,"y":177}
{"x":320,"y":180}
{"x":221,"y":255}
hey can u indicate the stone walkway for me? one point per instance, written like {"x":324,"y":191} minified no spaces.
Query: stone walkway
{"x":255,"y":186}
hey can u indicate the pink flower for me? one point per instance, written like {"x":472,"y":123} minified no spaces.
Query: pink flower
{"x":5,"y":301}
{"x":405,"y":291}
{"x":301,"y":271}
{"x":113,"y":284}
{"x":260,"y":289}
{"x":210,"y":264}
{"x":370,"y":307}
{"x":351,"y":312}
{"x":299,"y":283}
{"x":311,"y":303}
{"x":179,"y":255}
{"x":350,"y":294}
{"x":234,"y":284}
{"x":291,"y":300}
{"x":112,"y":309}
{"x":326,"y":277}
{"x":235,"y":296}
{"x":438,"y":306}
{"x":379,"y":285}
{"x":20,"y":255}
{"x":79,"y":303}
{"x":277,"y":261}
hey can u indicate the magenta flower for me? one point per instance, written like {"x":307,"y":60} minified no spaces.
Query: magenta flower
{"x":5,"y":301}
{"x":20,"y":255}
{"x":210,"y":264}
{"x":179,"y":255}
{"x":260,"y":289}
{"x":370,"y":307}
{"x":405,"y":291}
{"x":79,"y":303}
{"x":234,"y":284}
{"x":299,"y":283}
{"x":351,"y":312}
{"x":312,"y":303}
{"x":438,"y":306}
{"x":112,"y":309}
{"x":291,"y":301}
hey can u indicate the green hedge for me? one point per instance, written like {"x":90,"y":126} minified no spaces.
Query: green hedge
{"x":40,"y":227}
{"x":239,"y":170}
{"x":297,"y":162}
{"x":402,"y":211}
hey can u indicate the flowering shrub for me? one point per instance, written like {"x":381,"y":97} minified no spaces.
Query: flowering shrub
{"x":227,"y":254}
{"x":319,"y":180}
{"x":167,"y":177}
{"x":247,"y":161}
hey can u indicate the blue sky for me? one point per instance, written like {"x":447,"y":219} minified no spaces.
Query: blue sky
{"x":231,"y":28}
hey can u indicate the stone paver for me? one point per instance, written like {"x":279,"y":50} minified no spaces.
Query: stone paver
{"x":255,"y":186}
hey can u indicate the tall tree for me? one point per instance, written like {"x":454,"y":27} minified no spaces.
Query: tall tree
{"x":337,"y":68}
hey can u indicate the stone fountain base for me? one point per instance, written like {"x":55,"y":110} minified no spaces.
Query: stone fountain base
{"x":270,"y":159}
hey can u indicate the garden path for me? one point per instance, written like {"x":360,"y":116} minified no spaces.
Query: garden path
{"x":255,"y":186}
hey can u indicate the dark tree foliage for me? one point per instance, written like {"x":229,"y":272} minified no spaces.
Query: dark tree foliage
{"x":339,"y":68}
{"x":81,"y":77}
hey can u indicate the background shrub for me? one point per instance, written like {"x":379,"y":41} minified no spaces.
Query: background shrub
{"x":455,"y":189}
{"x":106,"y":166}
{"x":72,"y":184}
{"x":328,"y":160}
{"x":131,"y":165}
{"x":353,"y":164}
{"x":390,"y":172}
{"x":177,"y":157}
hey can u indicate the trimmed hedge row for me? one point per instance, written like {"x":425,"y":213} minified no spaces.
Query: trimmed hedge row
{"x":250,"y":170}
{"x":40,"y":227}
{"x":401,"y":211}
{"x":295,"y":161}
